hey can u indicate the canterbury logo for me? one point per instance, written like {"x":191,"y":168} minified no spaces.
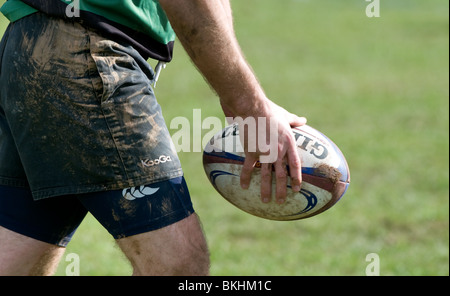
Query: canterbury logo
{"x":138,"y":192}
{"x":152,"y":162}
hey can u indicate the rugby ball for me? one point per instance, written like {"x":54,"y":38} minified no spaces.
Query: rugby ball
{"x":325,"y":175}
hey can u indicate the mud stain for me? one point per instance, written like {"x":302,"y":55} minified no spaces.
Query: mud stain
{"x":329,"y":172}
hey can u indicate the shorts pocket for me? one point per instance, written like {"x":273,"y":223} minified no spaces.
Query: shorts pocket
{"x":120,"y":68}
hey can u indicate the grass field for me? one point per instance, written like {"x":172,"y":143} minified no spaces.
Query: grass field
{"x":379,"y":88}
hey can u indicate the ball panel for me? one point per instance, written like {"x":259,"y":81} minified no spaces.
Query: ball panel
{"x":225,"y":177}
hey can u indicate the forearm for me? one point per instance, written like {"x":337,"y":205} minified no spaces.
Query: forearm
{"x":204,"y":27}
{"x":227,"y":9}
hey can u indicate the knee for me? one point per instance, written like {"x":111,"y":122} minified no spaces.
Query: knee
{"x":190,"y":254}
{"x":194,"y":262}
{"x":178,"y":249}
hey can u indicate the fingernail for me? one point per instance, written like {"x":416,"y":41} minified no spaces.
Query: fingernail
{"x":265,"y":200}
{"x":280,"y":201}
{"x":296,"y":188}
{"x":244,"y":186}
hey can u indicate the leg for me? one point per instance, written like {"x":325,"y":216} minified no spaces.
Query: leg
{"x":155,"y":226}
{"x":177,"y":249}
{"x":22,"y":255}
{"x":33,"y":234}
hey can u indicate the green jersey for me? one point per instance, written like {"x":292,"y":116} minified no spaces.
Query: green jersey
{"x":142,"y":23}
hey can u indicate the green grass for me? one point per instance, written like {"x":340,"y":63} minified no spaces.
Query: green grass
{"x":379,"y":88}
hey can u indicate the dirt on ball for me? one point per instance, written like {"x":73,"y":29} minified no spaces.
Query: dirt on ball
{"x":329,"y":172}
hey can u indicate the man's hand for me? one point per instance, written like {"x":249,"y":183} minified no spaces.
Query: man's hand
{"x":272,"y":143}
{"x":285,"y":155}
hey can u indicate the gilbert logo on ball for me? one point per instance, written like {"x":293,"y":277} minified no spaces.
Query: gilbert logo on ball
{"x":325,"y":175}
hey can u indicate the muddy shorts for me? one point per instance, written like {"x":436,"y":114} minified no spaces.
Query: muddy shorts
{"x":77,"y":113}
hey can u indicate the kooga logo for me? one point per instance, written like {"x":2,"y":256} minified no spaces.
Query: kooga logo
{"x":152,"y":162}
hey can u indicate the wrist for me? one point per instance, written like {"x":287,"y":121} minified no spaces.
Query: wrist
{"x":253,"y":105}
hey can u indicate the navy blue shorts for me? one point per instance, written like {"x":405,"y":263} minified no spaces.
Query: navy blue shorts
{"x":123,"y":213}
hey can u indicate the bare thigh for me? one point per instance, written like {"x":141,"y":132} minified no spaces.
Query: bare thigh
{"x":178,"y":249}
{"x":22,"y":255}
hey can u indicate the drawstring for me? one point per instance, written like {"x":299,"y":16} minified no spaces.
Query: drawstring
{"x":159,"y":67}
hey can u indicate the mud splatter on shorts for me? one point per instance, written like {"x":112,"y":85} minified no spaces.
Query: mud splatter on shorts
{"x":77,"y":112}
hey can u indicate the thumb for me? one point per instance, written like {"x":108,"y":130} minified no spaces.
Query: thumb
{"x":295,"y":120}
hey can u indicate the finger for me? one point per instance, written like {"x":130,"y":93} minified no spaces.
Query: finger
{"x":295,"y":120}
{"x":295,"y":169}
{"x":266,"y":182}
{"x":281,"y":180}
{"x":247,"y":170}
